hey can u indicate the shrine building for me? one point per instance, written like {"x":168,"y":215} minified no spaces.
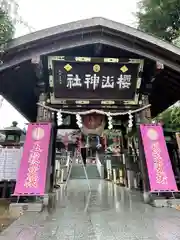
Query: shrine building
{"x":92,"y":75}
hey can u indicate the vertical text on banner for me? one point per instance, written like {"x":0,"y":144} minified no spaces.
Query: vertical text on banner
{"x":32,"y":172}
{"x":161,"y":175}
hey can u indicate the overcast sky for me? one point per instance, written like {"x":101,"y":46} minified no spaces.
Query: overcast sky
{"x":43,"y":13}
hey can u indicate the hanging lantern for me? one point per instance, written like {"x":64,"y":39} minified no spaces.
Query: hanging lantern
{"x":93,"y":124}
{"x":110,"y":124}
{"x":130,"y":121}
{"x":79,"y":120}
{"x":59,"y":118}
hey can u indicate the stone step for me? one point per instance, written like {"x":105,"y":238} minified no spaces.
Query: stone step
{"x":78,"y":172}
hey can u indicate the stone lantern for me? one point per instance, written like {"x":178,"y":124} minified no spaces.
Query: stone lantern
{"x":13,"y":135}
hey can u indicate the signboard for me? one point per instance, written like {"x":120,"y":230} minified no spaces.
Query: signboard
{"x":32,"y":172}
{"x":9,"y":163}
{"x":161,"y":175}
{"x":94,"y":79}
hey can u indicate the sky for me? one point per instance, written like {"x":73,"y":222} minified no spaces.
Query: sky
{"x":40,"y":14}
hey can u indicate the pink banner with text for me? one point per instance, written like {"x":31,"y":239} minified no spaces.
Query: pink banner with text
{"x":161,"y":175}
{"x":32,"y":172}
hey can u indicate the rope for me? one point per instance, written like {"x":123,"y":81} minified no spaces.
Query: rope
{"x":95,"y":111}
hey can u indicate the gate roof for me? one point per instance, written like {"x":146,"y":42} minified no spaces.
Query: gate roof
{"x":17,"y":83}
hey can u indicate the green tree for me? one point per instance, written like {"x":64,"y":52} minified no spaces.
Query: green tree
{"x":170,"y":118}
{"x":177,"y":42}
{"x":165,"y":118}
{"x":175,"y":116}
{"x":160,"y":18}
{"x":7,"y":30}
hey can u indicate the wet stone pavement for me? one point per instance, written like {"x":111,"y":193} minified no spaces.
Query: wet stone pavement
{"x":107,"y":213}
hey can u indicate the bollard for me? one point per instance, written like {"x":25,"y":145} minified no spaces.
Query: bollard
{"x":111,"y":175}
{"x":125,"y":179}
{"x":124,"y":159}
{"x":59,"y":170}
{"x":135,"y":181}
{"x":108,"y":174}
{"x":114,"y":175}
{"x":109,"y":170}
{"x":121,"y":179}
{"x":62,"y":176}
{"x":130,"y":177}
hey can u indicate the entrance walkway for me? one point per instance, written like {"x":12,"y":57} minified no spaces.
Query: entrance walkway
{"x":109,"y":213}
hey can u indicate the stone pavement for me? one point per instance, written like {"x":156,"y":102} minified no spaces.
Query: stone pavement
{"x":108,"y":213}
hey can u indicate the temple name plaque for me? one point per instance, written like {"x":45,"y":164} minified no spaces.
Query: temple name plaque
{"x":95,"y":79}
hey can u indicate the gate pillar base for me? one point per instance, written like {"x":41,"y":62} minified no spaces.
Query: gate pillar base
{"x":18,"y":209}
{"x":147,"y":197}
{"x":50,"y":200}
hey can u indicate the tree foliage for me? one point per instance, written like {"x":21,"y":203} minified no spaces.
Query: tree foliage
{"x":160,"y":18}
{"x":175,"y":116}
{"x":6,"y":28}
{"x":170,"y":118}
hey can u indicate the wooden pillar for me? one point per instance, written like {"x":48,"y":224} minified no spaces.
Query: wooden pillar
{"x":53,"y":155}
{"x":43,"y":115}
{"x":144,"y":117}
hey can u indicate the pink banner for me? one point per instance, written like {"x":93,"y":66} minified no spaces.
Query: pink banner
{"x":161,"y":175}
{"x":32,"y":172}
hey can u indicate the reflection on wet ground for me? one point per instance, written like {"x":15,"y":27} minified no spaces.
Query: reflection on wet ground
{"x":107,"y":213}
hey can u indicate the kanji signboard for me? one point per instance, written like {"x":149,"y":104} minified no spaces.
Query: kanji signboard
{"x":94,"y":78}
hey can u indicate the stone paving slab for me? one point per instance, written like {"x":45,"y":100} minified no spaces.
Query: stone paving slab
{"x":108,"y":213}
